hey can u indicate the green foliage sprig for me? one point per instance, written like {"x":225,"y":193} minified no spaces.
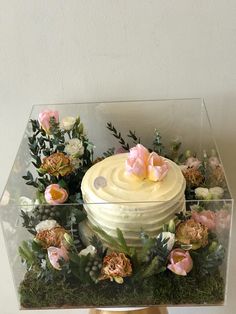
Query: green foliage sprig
{"x":118,"y":135}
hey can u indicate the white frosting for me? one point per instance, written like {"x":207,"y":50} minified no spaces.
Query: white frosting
{"x":114,"y":199}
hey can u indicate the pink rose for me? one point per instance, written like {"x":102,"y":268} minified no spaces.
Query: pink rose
{"x":180,"y":262}
{"x":44,"y":119}
{"x":223,"y":220}
{"x":54,"y":194}
{"x":136,"y":162}
{"x":157,"y":167}
{"x":206,"y":218}
{"x":56,"y":254}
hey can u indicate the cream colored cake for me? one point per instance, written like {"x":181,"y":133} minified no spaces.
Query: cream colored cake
{"x":114,"y":199}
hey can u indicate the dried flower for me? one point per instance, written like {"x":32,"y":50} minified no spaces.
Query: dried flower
{"x":67,"y":123}
{"x":56,"y":164}
{"x":55,"y":194}
{"x":74,"y":148}
{"x":116,"y":266}
{"x":217,"y":176}
{"x":157,"y":167}
{"x":44,"y":119}
{"x":56,"y":254}
{"x":206,"y":218}
{"x":193,"y":177}
{"x":192,"y":233}
{"x":191,"y":171}
{"x":52,"y":237}
{"x":180,"y":262}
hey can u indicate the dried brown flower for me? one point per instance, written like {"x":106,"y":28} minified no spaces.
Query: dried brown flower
{"x":193,"y":177}
{"x":217,"y":177}
{"x":52,"y":237}
{"x":116,"y":266}
{"x":56,"y":164}
{"x":192,"y":233}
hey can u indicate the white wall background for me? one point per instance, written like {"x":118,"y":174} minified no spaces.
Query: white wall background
{"x":57,"y":51}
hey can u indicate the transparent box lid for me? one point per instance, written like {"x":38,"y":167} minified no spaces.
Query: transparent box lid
{"x":113,"y":238}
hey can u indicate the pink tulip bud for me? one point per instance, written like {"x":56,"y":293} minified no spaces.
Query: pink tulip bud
{"x":56,"y":254}
{"x":157,"y":167}
{"x":44,"y":119}
{"x":180,"y":262}
{"x":54,"y":194}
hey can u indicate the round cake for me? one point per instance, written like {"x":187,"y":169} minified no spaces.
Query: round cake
{"x":114,"y":199}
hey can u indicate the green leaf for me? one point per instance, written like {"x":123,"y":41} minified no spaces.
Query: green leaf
{"x":74,"y":258}
{"x":122,"y":241}
{"x":62,"y":184}
{"x":152,"y":268}
{"x":110,"y":240}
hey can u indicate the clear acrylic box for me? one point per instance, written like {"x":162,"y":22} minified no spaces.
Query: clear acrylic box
{"x":181,"y":120}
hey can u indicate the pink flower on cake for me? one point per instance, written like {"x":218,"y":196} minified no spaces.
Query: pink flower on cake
{"x":180,"y":262}
{"x":137,"y":161}
{"x":157,"y":167}
{"x":44,"y":119}
{"x":206,"y":218}
{"x":54,"y":194}
{"x":56,"y":254}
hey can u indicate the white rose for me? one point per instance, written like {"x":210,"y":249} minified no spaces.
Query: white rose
{"x":46,"y":225}
{"x":67,"y":123}
{"x":74,"y":148}
{"x":202,"y":193}
{"x":216,"y":192}
{"x":26,"y":204}
{"x":89,"y":250}
{"x":167,"y":235}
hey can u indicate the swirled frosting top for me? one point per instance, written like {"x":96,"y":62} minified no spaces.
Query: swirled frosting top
{"x":108,"y":182}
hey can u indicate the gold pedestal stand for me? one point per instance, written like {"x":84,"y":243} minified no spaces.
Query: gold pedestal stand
{"x":147,"y":310}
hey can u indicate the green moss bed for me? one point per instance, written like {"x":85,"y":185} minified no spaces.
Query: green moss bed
{"x":164,"y":288}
